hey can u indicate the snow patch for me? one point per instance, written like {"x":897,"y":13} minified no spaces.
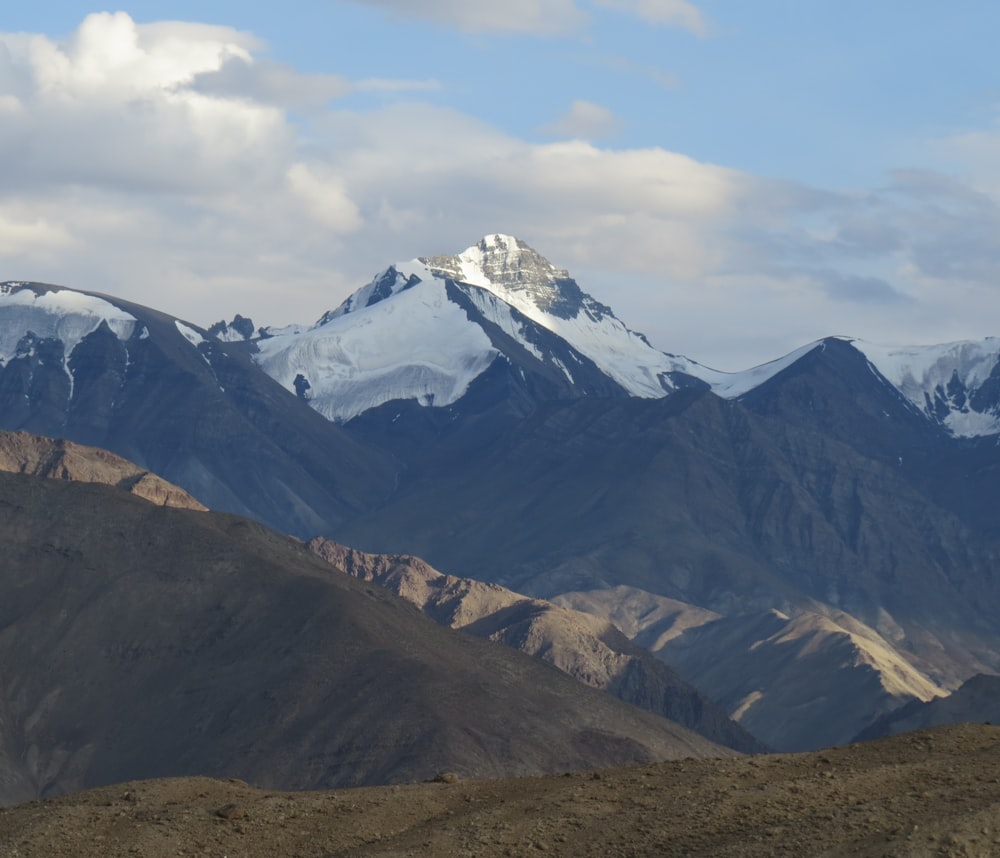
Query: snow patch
{"x":190,"y":334}
{"x":58,"y":313}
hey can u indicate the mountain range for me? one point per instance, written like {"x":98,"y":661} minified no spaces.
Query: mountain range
{"x":830,"y":514}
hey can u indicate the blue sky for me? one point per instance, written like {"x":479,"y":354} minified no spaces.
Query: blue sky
{"x":734,"y":178}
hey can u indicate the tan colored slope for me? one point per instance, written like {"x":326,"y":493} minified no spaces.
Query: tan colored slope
{"x":648,"y":619}
{"x":587,"y":647}
{"x":24,"y":453}
{"x":798,"y":682}
{"x":795,"y":682}
{"x":927,"y":794}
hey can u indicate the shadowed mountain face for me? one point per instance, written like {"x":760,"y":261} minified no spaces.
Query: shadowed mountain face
{"x":142,"y":641}
{"x":698,"y":500}
{"x":727,"y":507}
{"x":194,"y":410}
{"x":978,"y":700}
{"x":585,"y":646}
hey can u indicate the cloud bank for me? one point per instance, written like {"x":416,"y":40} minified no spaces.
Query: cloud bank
{"x":164,"y":163}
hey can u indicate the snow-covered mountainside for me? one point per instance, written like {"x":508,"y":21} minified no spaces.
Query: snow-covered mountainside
{"x":420,"y":345}
{"x":955,"y":384}
{"x":424,"y":330}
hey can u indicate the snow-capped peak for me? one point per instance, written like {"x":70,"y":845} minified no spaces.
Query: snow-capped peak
{"x":519,"y":274}
{"x":418,"y":331}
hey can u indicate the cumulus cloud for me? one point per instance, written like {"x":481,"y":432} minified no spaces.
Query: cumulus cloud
{"x":118,"y":92}
{"x":537,"y":17}
{"x":584,"y":120}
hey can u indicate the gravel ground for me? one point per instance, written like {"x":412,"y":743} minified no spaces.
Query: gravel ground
{"x":935,"y":792}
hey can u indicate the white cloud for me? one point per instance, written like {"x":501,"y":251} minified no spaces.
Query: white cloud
{"x":322,"y":192}
{"x":584,"y":120}
{"x":110,"y":108}
{"x":538,"y":17}
{"x":678,"y":13}
{"x":166,"y":169}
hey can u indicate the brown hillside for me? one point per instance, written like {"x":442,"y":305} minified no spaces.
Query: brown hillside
{"x":24,"y":453}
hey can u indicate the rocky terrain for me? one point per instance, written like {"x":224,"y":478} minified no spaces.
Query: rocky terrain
{"x":934,"y":793}
{"x":582,"y":645}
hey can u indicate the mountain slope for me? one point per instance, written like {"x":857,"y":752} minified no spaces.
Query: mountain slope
{"x":706,"y":502}
{"x":144,"y":641}
{"x":803,"y":682}
{"x":926,"y":794}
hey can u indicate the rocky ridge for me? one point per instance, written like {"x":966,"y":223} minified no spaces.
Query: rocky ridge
{"x":24,"y":453}
{"x":582,"y":645}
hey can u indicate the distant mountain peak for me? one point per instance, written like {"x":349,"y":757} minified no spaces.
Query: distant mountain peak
{"x":516,"y":272}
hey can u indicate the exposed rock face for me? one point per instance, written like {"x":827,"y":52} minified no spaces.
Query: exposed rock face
{"x":585,"y":646}
{"x":143,"y":641}
{"x":508,"y":263}
{"x":24,"y":453}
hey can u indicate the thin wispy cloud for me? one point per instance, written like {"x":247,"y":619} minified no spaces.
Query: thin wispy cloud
{"x":585,"y":121}
{"x":673,"y":13}
{"x":537,"y":17}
